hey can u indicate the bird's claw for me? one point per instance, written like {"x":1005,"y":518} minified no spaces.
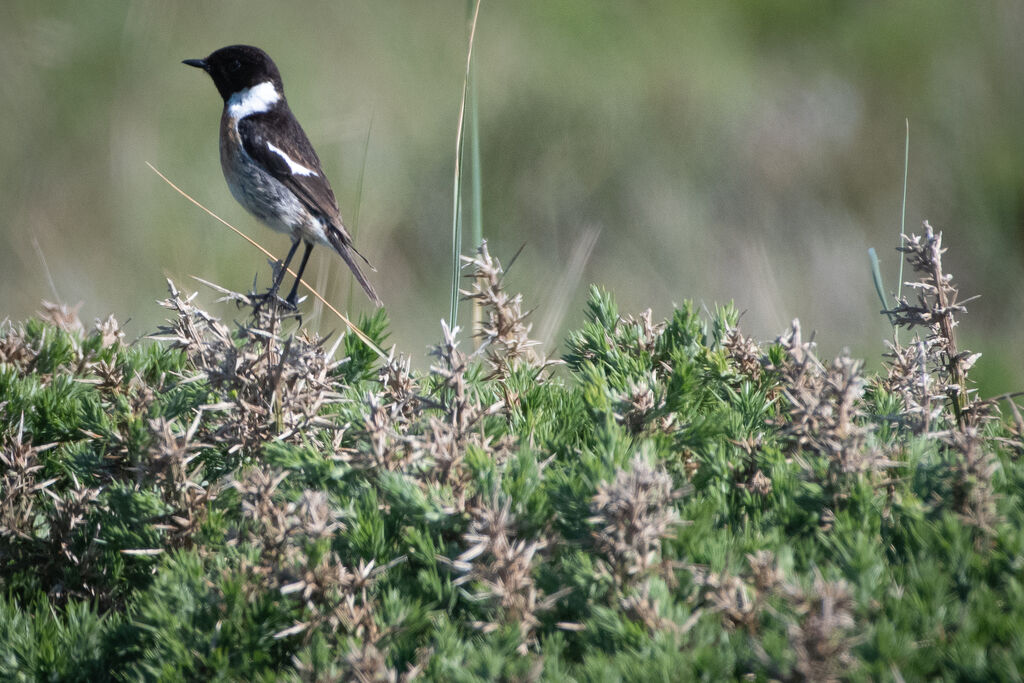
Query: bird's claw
{"x":271,"y":297}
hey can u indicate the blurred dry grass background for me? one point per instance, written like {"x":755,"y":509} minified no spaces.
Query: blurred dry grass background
{"x":726,"y":151}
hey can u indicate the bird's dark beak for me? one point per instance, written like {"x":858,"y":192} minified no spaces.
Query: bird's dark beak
{"x":197,"y":63}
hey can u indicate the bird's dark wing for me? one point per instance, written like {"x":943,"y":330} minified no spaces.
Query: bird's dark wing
{"x":276,"y":141}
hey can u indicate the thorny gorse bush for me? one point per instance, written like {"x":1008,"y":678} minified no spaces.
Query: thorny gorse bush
{"x":671,"y":500}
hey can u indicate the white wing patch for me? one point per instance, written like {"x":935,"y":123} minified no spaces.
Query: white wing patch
{"x":255,"y":100}
{"x":296,"y":167}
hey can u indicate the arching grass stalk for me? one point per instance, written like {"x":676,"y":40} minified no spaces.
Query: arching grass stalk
{"x":457,"y":186}
{"x":476,"y":213}
{"x":903,"y":208}
{"x":348,"y":323}
{"x":876,"y":273}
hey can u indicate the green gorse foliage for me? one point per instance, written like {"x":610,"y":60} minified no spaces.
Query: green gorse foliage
{"x":671,"y":500}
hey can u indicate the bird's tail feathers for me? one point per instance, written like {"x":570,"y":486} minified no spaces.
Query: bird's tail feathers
{"x":365,"y":260}
{"x":345,"y":250}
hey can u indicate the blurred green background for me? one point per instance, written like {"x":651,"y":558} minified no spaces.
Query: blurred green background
{"x":745,"y":151}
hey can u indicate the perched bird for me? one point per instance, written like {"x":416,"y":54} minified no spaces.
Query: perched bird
{"x":271,"y":168}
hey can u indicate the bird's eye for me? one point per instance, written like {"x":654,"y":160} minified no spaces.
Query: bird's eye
{"x":235,"y":65}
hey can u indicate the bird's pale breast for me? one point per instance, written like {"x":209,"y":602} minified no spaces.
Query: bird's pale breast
{"x":263,"y":195}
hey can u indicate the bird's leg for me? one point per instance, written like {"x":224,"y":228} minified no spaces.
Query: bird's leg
{"x":282,"y":268}
{"x":298,"y":278}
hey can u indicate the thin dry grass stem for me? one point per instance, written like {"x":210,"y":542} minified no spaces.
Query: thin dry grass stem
{"x":501,"y":564}
{"x":504,"y":333}
{"x":934,"y":309}
{"x":270,"y":388}
{"x":348,"y":323}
